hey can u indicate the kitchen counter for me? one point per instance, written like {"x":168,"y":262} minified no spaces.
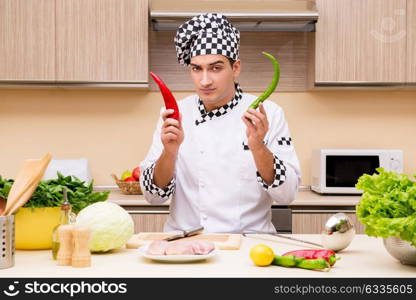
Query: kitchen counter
{"x":365,"y":257}
{"x":303,"y":198}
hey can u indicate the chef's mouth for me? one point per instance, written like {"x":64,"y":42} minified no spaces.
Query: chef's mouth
{"x":207,"y":91}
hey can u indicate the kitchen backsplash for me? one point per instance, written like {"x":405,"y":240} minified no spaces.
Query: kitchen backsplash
{"x":114,"y":128}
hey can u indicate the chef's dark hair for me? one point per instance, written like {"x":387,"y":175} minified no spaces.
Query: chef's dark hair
{"x":232,"y":61}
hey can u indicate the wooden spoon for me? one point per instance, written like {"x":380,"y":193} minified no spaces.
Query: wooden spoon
{"x":22,"y":182}
{"x":26,"y":182}
{"x":26,"y":195}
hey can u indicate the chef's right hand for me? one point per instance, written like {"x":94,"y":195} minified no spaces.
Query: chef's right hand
{"x":172,"y":132}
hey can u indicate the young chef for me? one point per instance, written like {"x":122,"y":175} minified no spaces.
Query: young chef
{"x":221,"y":165}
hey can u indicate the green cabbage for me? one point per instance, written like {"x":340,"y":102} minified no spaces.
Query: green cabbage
{"x":388,"y":205}
{"x":111,"y":226}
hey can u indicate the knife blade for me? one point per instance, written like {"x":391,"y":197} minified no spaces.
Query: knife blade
{"x":184,"y":234}
{"x":246,"y":234}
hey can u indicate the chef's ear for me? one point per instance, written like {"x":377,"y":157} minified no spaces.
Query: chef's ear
{"x":236,"y":69}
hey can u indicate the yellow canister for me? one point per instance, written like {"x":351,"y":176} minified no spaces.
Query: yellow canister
{"x":34,"y":226}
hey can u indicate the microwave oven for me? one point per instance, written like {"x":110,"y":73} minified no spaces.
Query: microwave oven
{"x":336,"y":171}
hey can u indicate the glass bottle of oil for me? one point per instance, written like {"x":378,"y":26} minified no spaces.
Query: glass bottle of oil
{"x":64,"y":219}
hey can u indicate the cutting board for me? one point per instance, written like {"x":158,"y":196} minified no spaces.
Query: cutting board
{"x":222,"y":241}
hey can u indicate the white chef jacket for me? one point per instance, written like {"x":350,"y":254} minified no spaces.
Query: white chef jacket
{"x":216,"y":184}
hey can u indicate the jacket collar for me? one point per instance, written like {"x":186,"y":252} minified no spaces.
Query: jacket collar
{"x":218,"y":112}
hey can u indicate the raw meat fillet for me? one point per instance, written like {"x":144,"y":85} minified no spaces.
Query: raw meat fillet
{"x":157,"y":247}
{"x":180,"y":248}
{"x":190,"y":247}
{"x":203,"y":247}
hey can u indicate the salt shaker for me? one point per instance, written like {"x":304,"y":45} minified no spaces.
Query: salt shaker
{"x":81,"y":256}
{"x":66,"y":246}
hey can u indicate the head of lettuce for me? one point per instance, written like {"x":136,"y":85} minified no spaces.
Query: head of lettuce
{"x":388,"y":205}
{"x":111,"y":225}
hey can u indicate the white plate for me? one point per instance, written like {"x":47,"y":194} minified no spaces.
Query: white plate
{"x":175,"y":258}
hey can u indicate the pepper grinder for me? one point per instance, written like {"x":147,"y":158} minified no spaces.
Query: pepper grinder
{"x":66,"y":246}
{"x":81,"y":256}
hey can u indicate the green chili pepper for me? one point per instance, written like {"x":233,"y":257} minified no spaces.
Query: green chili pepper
{"x":290,"y":261}
{"x":272,"y":86}
{"x":314,"y":264}
{"x":284,"y":261}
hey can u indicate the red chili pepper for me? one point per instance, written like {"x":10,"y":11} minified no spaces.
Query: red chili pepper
{"x":170,"y":101}
{"x":328,"y":255}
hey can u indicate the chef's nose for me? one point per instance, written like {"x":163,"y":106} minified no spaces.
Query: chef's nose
{"x":205,"y":80}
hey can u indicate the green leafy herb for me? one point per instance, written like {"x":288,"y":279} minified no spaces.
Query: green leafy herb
{"x":388,"y":205}
{"x":50,"y":192}
{"x":5,"y":186}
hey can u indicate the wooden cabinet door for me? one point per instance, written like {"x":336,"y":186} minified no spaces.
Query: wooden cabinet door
{"x":411,"y":41}
{"x":102,"y":41}
{"x":313,"y":223}
{"x":27,"y":40}
{"x":361,"y":41}
{"x":149,"y":222}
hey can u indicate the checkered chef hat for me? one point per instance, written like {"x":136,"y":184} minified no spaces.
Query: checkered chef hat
{"x":209,"y":33}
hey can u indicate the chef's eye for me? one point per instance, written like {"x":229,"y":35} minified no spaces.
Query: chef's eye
{"x":195,"y":68}
{"x":216,"y":68}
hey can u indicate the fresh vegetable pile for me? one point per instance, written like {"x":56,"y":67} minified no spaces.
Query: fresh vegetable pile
{"x":310,"y":259}
{"x":388,"y":205}
{"x":49,"y":193}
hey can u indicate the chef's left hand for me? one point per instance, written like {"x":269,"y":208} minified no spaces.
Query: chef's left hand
{"x":257,"y":127}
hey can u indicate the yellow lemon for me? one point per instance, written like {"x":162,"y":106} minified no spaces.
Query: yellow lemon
{"x":262,"y":255}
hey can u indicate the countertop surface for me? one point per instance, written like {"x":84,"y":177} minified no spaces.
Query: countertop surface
{"x":365,"y":257}
{"x":303,"y":198}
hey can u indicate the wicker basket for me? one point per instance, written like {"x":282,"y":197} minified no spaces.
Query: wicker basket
{"x":128,"y":187}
